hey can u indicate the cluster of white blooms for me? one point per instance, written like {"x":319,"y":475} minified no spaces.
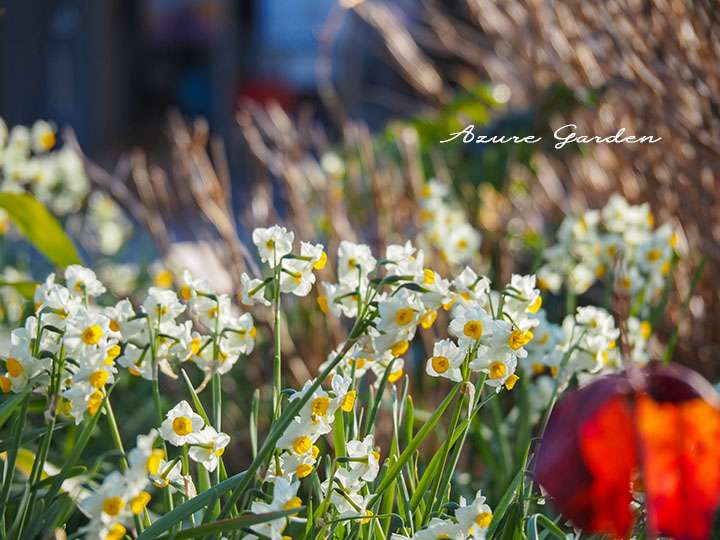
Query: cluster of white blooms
{"x":28,"y":163}
{"x":298,"y":454}
{"x":471,"y":522}
{"x":183,"y":426}
{"x":74,"y":344}
{"x":620,"y":239}
{"x":291,"y":273}
{"x":160,"y":339}
{"x":314,"y":420}
{"x":490,"y":328}
{"x":446,"y":226}
{"x":112,"y":506}
{"x":69,"y":328}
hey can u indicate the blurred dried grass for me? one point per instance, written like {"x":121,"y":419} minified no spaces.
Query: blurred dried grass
{"x":657,"y":63}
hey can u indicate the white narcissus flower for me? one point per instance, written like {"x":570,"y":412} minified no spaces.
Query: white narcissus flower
{"x":97,"y":367}
{"x":440,"y":528}
{"x":366,"y":460}
{"x":212,"y":311}
{"x":470,"y":286}
{"x":20,"y":368}
{"x":82,"y":396}
{"x":446,"y":361}
{"x":284,"y":498}
{"x":299,"y":437}
{"x":81,"y":280}
{"x":501,"y":371}
{"x":120,"y":325}
{"x":168,"y":473}
{"x":298,"y":465}
{"x":338,"y":299}
{"x":319,"y":411}
{"x":189,"y":286}
{"x":400,"y":313}
{"x":240,"y":337}
{"x":273,"y":244}
{"x":162,"y":305}
{"x":541,"y":350}
{"x":137,"y":361}
{"x":109,"y":503}
{"x":86,"y":331}
{"x":463,"y":242}
{"x":296,"y":277}
{"x":252,"y":291}
{"x":344,"y":395}
{"x":43,"y":136}
{"x":52,"y":295}
{"x":144,"y":460}
{"x":181,"y":425}
{"x":208,"y":447}
{"x":474,"y":518}
{"x":523,"y":298}
{"x":355,"y":262}
{"x":469,"y":325}
{"x":315,"y":253}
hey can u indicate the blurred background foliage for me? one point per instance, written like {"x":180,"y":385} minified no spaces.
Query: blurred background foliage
{"x":204,"y":119}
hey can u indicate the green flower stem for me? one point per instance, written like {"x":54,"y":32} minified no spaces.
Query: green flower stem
{"x":443,"y":460}
{"x":158,"y":405}
{"x":245,"y":478}
{"x":40,"y":458}
{"x":115,"y":433}
{"x":17,"y":430}
{"x":277,"y":359}
{"x":117,"y":440}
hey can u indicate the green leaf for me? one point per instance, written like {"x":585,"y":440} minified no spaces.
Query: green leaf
{"x":540,"y":519}
{"x":339,"y":433}
{"x":189,"y":507}
{"x":504,"y":504}
{"x":9,"y":405}
{"x":396,"y":467}
{"x":25,"y":288}
{"x":232,"y":524}
{"x":195,"y":399}
{"x":41,"y":229}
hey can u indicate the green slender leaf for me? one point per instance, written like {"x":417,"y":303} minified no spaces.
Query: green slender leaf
{"x":11,"y":457}
{"x":531,"y":528}
{"x":339,"y":433}
{"x":504,"y":504}
{"x":189,"y":507}
{"x":195,"y":399}
{"x":396,"y":467}
{"x":232,"y":524}
{"x":9,"y":405}
{"x":41,"y":229}
{"x":25,"y":288}
{"x":547,"y":524}
{"x":239,"y":482}
{"x":80,"y":445}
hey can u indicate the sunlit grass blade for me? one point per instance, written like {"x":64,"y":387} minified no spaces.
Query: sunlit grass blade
{"x":536,"y":520}
{"x":505,"y":501}
{"x":233,"y":524}
{"x":396,"y":467}
{"x":7,"y":408}
{"x":11,"y":457}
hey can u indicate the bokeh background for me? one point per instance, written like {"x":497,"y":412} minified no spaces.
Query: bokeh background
{"x":205,"y":118}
